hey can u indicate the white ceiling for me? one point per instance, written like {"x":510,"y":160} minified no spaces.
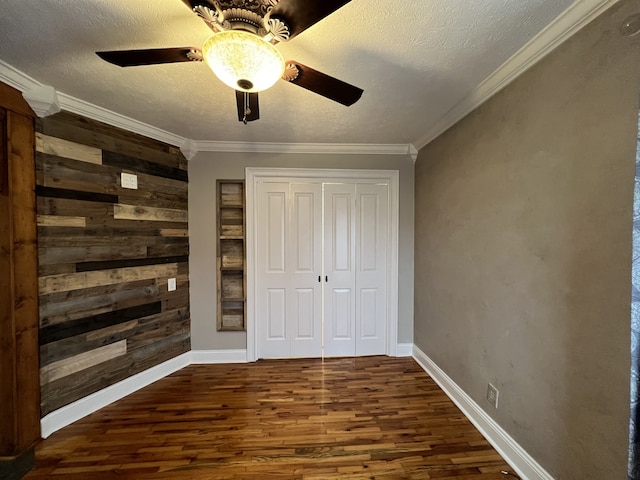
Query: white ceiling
{"x":416,"y":60}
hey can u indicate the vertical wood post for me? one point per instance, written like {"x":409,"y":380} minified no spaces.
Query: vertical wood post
{"x":19,"y":359}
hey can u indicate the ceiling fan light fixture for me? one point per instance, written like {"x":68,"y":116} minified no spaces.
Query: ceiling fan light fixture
{"x":243,"y":60}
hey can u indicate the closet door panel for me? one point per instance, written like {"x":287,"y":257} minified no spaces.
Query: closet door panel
{"x":339,"y":251}
{"x":305,"y":266}
{"x":371,"y":277}
{"x":273,"y":280}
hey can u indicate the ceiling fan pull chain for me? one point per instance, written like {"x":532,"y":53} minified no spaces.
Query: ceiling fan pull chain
{"x":247,"y":110}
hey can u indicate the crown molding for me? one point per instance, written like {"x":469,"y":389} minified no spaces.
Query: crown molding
{"x":43,"y":100}
{"x":307,"y":148}
{"x":17,"y":79}
{"x":189,"y":149}
{"x":580,"y":13}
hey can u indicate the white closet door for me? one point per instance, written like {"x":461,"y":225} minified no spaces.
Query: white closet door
{"x":272,"y":232}
{"x":340,"y":270}
{"x":288,"y":264}
{"x":305,"y":266}
{"x":372,"y":240}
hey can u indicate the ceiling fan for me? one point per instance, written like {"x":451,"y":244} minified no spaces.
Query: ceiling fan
{"x":242,"y":50}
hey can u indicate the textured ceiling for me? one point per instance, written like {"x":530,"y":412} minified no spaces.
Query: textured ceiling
{"x":415,"y":61}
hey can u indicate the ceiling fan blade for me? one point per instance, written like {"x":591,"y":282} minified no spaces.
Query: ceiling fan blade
{"x":151,"y":56}
{"x":322,"y":84}
{"x":301,"y":14}
{"x":254,"y":108}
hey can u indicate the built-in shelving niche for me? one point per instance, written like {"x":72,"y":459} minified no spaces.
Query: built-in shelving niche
{"x":231,"y":255}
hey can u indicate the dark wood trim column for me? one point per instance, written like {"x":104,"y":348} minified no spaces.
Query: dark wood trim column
{"x":19,"y":351}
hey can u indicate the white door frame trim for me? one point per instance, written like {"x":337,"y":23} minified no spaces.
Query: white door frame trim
{"x":391,"y":177}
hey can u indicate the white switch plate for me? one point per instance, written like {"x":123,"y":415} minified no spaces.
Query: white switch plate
{"x":129,"y":180}
{"x":171,"y":284}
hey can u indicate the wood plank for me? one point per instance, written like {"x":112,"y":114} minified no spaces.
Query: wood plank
{"x":8,"y":398}
{"x":67,"y":149}
{"x":56,"y":255}
{"x":174,"y":232}
{"x":63,"y":368}
{"x":61,"y":221}
{"x":19,"y":390}
{"x":74,"y":281}
{"x":25,"y":264}
{"x":4,"y":157}
{"x":133,"y":212}
{"x":47,"y":270}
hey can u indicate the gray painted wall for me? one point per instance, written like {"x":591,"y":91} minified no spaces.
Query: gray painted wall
{"x":206,"y":167}
{"x":523,"y":251}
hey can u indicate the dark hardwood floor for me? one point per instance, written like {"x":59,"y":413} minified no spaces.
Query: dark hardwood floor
{"x":363,"y":418}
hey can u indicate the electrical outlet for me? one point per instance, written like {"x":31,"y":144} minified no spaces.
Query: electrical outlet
{"x":171,"y":284}
{"x":129,"y":180}
{"x":492,"y":395}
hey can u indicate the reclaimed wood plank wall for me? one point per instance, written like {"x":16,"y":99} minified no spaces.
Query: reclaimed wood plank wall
{"x":106,"y":254}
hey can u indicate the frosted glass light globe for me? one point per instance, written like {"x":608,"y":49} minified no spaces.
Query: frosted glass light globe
{"x":243,"y":60}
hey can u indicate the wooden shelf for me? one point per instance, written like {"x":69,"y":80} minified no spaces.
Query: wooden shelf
{"x":231,"y":255}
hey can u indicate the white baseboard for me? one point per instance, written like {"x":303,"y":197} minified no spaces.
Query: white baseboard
{"x":514,"y":454}
{"x":218,"y":356}
{"x":404,"y":350}
{"x":81,"y":408}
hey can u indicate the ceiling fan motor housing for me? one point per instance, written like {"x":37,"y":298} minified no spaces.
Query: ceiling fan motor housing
{"x":254,"y":17}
